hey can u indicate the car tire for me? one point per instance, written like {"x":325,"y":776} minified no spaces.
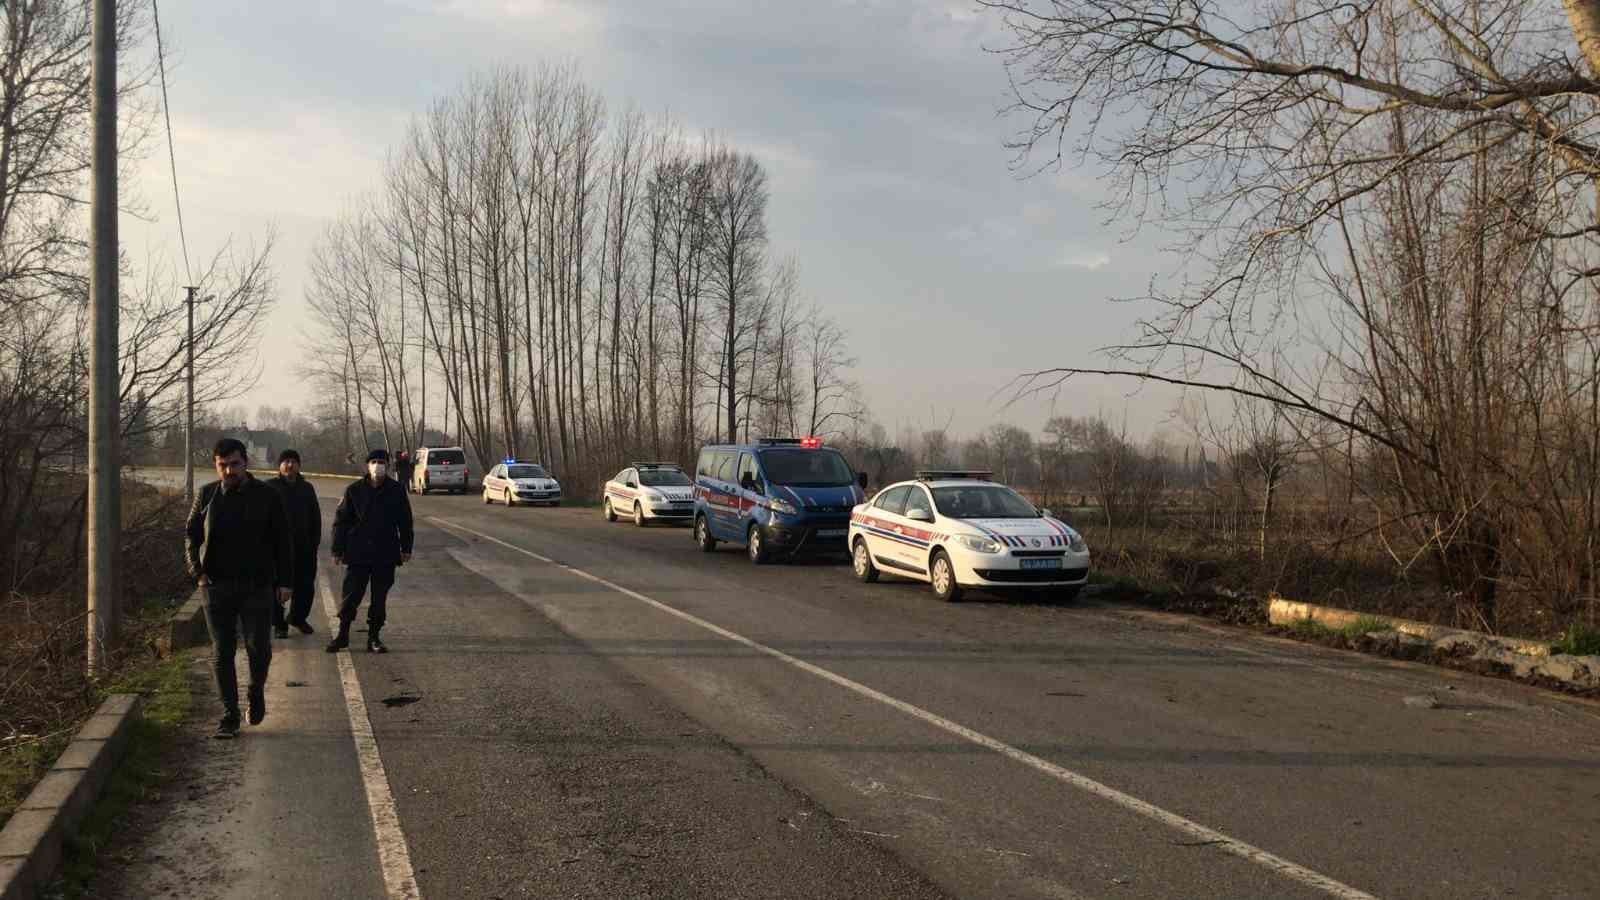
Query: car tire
{"x":610,"y":514}
{"x":861,"y":560}
{"x":702,"y":535}
{"x":425,"y":487}
{"x":756,"y":545}
{"x":638,"y":514}
{"x":509,"y":499}
{"x":487,"y":499}
{"x":555,"y":503}
{"x":942,"y":578}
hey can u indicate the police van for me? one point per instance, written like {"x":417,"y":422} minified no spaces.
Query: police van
{"x":778,"y":496}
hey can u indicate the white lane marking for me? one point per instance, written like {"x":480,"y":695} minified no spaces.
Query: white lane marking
{"x":1211,"y":836}
{"x":393,"y":855}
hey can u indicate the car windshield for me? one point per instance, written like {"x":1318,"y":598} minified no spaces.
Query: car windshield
{"x":446,"y":458}
{"x":982,"y":501}
{"x":806,"y":468}
{"x":526,"y":472}
{"x":662,"y":477}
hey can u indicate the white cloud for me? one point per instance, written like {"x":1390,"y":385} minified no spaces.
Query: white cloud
{"x":1078,"y":257}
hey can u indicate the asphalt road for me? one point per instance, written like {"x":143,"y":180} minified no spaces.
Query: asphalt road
{"x":584,"y":709}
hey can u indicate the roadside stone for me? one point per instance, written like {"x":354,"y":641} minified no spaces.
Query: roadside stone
{"x":1421,"y":701}
{"x":1410,"y":646}
{"x":1577,"y":671}
{"x":1525,"y":667}
{"x":1461,"y":644}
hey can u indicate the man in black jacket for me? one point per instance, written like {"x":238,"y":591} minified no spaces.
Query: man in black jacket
{"x":305,"y":525}
{"x":372,"y":534}
{"x":240,"y":553}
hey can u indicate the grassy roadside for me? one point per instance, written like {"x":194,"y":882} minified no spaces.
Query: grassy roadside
{"x":165,"y":686}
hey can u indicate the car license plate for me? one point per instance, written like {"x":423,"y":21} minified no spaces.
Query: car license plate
{"x":1041,"y":564}
{"x":831,"y":532}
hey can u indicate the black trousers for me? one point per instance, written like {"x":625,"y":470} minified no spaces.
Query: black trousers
{"x":356,"y":580}
{"x":305,"y":590}
{"x":228,"y":606}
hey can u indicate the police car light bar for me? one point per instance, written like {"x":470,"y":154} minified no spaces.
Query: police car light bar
{"x":811,"y":442}
{"x":942,"y":474}
{"x":776,"y":441}
{"x":655,"y":465}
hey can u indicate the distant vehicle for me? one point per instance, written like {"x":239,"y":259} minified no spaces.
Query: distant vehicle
{"x":649,"y":491}
{"x":957,"y":530}
{"x":775,"y":496}
{"x":440,"y":469}
{"x":513,"y":482}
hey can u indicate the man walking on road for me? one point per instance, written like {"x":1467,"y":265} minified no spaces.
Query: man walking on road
{"x":372,"y":534}
{"x":305,"y":525}
{"x":241,"y":554}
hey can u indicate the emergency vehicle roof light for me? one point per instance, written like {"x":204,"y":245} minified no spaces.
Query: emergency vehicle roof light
{"x":811,"y":442}
{"x":943,"y":474}
{"x":655,"y":465}
{"x":774,"y":441}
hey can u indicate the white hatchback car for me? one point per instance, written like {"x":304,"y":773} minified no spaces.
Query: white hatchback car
{"x":649,"y":492}
{"x":513,"y":482}
{"x":957,"y":530}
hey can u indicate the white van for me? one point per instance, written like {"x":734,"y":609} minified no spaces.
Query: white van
{"x":440,"y":469}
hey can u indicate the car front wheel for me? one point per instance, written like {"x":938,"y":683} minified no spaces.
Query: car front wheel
{"x":509,"y":499}
{"x":610,"y":514}
{"x":943,"y":578}
{"x":861,"y":558}
{"x":487,"y":499}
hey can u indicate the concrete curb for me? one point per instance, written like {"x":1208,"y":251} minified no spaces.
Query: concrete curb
{"x":31,"y":843}
{"x":186,"y":627}
{"x":1521,"y":659}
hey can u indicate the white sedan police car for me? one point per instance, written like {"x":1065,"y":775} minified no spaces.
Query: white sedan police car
{"x":957,"y":530}
{"x":649,"y":492}
{"x":513,"y":482}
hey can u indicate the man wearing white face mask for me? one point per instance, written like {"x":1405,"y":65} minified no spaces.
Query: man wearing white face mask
{"x":372,"y":534}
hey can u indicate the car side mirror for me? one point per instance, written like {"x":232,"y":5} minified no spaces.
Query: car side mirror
{"x":748,"y":482}
{"x":1045,"y":513}
{"x":861,"y":479}
{"x":918,"y":514}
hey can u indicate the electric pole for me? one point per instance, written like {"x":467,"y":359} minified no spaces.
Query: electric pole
{"x":188,"y":421}
{"x":105,"y":469}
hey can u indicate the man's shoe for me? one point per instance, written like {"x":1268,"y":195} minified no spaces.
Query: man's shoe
{"x":228,"y":728}
{"x":258,"y":703}
{"x":304,"y":627}
{"x":339,"y":642}
{"x":280,"y":631}
{"x":376,"y":645}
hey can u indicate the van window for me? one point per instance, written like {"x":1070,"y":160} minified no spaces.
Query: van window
{"x":708,"y":463}
{"x":726,"y":467}
{"x":446,"y":458}
{"x":747,"y":466}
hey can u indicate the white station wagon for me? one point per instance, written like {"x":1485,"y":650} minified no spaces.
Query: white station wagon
{"x":957,"y":530}
{"x":513,"y":482}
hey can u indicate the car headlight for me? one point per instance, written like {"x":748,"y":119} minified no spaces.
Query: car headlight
{"x":654,"y":496}
{"x":979,"y":544}
{"x":783,"y":507}
{"x":1075,"y":542}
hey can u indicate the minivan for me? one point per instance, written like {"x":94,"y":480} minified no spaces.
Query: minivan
{"x":440,"y":468}
{"x":778,"y":496}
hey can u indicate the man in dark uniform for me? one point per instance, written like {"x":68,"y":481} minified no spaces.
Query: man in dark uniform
{"x":305,"y":524}
{"x":372,"y":534}
{"x":241,"y":554}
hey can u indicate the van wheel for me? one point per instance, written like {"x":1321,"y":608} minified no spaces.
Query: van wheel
{"x":611,"y":514}
{"x":638,"y":514}
{"x":757,"y":547}
{"x":702,"y":535}
{"x":943,"y":579}
{"x":861,"y":558}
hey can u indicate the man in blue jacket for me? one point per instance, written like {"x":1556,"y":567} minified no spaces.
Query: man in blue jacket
{"x":372,"y":534}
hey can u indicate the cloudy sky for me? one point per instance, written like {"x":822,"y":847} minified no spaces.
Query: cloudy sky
{"x":877,"y":121}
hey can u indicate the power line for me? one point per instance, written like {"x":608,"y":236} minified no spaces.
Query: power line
{"x":166,"y":112}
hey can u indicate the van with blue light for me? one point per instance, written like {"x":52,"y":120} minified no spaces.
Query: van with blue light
{"x":776,"y":497}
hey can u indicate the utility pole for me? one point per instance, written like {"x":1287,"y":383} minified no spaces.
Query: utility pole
{"x":188,"y":421}
{"x":105,"y":470}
